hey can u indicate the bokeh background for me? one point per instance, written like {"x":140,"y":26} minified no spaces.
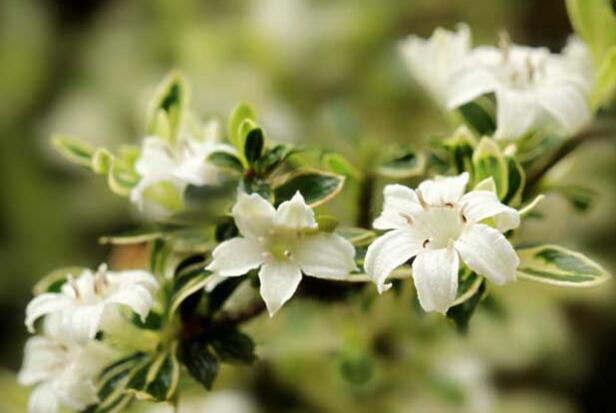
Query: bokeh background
{"x":319,"y":72}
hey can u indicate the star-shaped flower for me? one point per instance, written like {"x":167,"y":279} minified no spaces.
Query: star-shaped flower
{"x":82,"y":302}
{"x":532,"y":86}
{"x":437,"y":225}
{"x":284,"y":242}
{"x":62,"y":371}
{"x":174,"y":167}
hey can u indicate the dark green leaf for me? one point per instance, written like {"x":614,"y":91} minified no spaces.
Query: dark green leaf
{"x":201,"y":363}
{"x":226,"y":160}
{"x":479,"y":115}
{"x":403,"y":165}
{"x":226,"y":229}
{"x":488,"y":161}
{"x":517,"y":181}
{"x":253,"y":146}
{"x":233,"y":346}
{"x":273,"y":158}
{"x":461,"y":314}
{"x":316,"y":187}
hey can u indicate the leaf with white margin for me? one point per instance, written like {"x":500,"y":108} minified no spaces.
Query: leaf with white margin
{"x":488,"y":161}
{"x":556,"y":265}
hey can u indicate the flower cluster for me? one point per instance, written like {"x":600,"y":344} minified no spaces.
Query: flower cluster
{"x":237,"y":209}
{"x":64,"y":360}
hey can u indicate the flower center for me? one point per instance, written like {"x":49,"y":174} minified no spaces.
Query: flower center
{"x":441,"y":224}
{"x":280,"y":244}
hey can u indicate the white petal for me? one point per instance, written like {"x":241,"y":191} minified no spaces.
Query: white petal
{"x":443,"y":190}
{"x":487,"y":252}
{"x":435,"y":273}
{"x":156,"y":158}
{"x":138,"y":298}
{"x":516,"y":114}
{"x":43,"y":399}
{"x":295,"y":214}
{"x":325,"y":256}
{"x":45,"y":304}
{"x":81,"y":322}
{"x":41,"y":356}
{"x":469,"y":83}
{"x":390,"y":251}
{"x":480,"y":205}
{"x":568,"y":104}
{"x":399,"y":202}
{"x":236,"y":257}
{"x":253,"y":215}
{"x":131,"y":277}
{"x":279,"y":280}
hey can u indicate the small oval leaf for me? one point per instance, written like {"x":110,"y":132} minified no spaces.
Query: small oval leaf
{"x":316,"y":187}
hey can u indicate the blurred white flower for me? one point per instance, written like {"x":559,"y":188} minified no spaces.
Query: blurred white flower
{"x":433,"y":61}
{"x":81,"y":304}
{"x":284,"y":242}
{"x":532,"y":86}
{"x":437,"y":225}
{"x":227,"y":401}
{"x":177,"y":166}
{"x":62,"y":371}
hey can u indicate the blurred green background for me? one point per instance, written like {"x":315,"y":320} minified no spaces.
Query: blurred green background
{"x":319,"y":72}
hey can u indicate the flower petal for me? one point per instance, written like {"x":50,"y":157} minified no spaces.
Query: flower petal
{"x":132,"y":277}
{"x":435,"y":273}
{"x":469,"y":83}
{"x":43,"y":399}
{"x":138,"y":298}
{"x":295,"y":214}
{"x":516,"y":114}
{"x":212,"y":281}
{"x":40,"y":356}
{"x":236,"y":257}
{"x":81,"y":323}
{"x":327,"y":256}
{"x":390,"y":251}
{"x":253,"y":215}
{"x":479,"y":205}
{"x":399,"y":201}
{"x":45,"y":304}
{"x":568,"y":104}
{"x":487,"y":252}
{"x":443,"y":190}
{"x":279,"y":280}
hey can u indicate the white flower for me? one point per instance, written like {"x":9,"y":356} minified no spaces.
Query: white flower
{"x":438,"y":225}
{"x":62,"y":371}
{"x":433,"y":61}
{"x":284,"y":242}
{"x":82,"y":302}
{"x":176,"y":166}
{"x":532,"y":87}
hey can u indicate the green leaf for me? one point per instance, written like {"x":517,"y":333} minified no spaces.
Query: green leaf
{"x":53,"y":281}
{"x":556,"y":265}
{"x":121,"y":179}
{"x":515,"y":182}
{"x":167,"y":109}
{"x":327,"y":223}
{"x":479,"y":115}
{"x":488,"y":161}
{"x":357,"y":369}
{"x":132,"y":237}
{"x":605,"y":84}
{"x":595,"y":22}
{"x":187,"y":283}
{"x":201,"y":363}
{"x":461,"y":146}
{"x":338,"y":164}
{"x":461,"y":314}
{"x":74,"y":150}
{"x":157,"y":380}
{"x":233,"y":346}
{"x":357,"y":236}
{"x":403,"y":165}
{"x":226,"y":229}
{"x":226,"y":160}
{"x":253,"y":145}
{"x":273,"y":158}
{"x":238,"y":115}
{"x":316,"y":187}
{"x":468,"y":285}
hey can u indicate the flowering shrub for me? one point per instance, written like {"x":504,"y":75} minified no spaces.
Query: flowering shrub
{"x":232,"y":209}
